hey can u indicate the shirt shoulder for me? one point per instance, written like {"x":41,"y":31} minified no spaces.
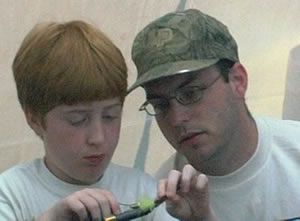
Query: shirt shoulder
{"x":20,"y":172}
{"x":281,"y":131}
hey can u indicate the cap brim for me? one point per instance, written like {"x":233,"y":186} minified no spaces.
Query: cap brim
{"x":171,"y":69}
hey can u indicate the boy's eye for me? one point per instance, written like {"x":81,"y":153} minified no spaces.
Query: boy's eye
{"x":77,"y":119}
{"x":110,"y":116}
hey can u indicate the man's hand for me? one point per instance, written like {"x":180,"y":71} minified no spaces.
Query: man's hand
{"x":187,"y":195}
{"x":87,"y":204}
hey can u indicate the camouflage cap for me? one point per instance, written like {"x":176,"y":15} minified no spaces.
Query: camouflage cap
{"x":180,"y":42}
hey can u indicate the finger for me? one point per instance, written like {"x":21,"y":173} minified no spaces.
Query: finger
{"x":76,"y":207}
{"x":201,"y":182}
{"x":161,"y":188}
{"x":108,"y":202}
{"x":200,"y":191}
{"x":188,"y":173}
{"x":172,"y":183}
{"x":91,"y":205}
{"x":114,"y":203}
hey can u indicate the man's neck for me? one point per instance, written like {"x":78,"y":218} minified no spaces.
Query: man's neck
{"x":241,"y":148}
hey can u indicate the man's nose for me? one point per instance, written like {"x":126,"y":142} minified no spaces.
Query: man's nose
{"x":177,"y":113}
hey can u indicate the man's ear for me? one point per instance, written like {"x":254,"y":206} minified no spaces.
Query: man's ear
{"x":238,"y":79}
{"x":35,"y":122}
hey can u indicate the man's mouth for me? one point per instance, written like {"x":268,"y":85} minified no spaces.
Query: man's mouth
{"x":189,"y":137}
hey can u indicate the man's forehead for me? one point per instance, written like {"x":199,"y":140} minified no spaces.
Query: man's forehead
{"x":167,"y":83}
{"x":175,"y":81}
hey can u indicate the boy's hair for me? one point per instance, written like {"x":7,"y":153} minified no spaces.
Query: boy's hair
{"x":67,"y":63}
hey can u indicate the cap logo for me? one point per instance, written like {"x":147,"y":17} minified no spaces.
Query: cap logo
{"x":163,"y":36}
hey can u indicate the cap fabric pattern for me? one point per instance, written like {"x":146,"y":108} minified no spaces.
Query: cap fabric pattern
{"x":180,"y":42}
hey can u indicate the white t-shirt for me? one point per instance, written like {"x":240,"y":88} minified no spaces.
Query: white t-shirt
{"x":267,"y":187}
{"x":27,"y":190}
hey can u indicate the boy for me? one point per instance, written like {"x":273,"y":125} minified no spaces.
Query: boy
{"x":71,"y":82}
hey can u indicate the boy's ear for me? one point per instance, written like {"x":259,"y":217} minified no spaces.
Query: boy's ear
{"x":238,"y":79}
{"x":34,"y":122}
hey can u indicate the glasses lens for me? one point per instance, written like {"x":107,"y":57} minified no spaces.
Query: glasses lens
{"x":189,"y":95}
{"x":156,"y":106}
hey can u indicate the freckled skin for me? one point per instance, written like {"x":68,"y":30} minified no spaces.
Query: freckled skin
{"x":67,"y":144}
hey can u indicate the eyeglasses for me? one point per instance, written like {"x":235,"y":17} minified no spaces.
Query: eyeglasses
{"x":184,"y":96}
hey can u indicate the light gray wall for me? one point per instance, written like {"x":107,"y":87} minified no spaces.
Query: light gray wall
{"x":265,"y":31}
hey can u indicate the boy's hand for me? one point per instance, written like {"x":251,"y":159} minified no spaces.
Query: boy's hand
{"x":87,"y":204}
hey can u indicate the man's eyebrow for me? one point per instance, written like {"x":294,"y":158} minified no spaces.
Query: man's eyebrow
{"x":187,"y":80}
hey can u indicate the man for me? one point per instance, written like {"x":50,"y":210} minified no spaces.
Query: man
{"x":188,"y":64}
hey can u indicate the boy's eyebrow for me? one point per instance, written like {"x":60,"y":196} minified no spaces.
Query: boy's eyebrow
{"x":86,"y":109}
{"x":76,"y":111}
{"x":113,"y":106}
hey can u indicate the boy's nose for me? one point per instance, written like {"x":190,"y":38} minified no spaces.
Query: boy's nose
{"x":96,"y":134}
